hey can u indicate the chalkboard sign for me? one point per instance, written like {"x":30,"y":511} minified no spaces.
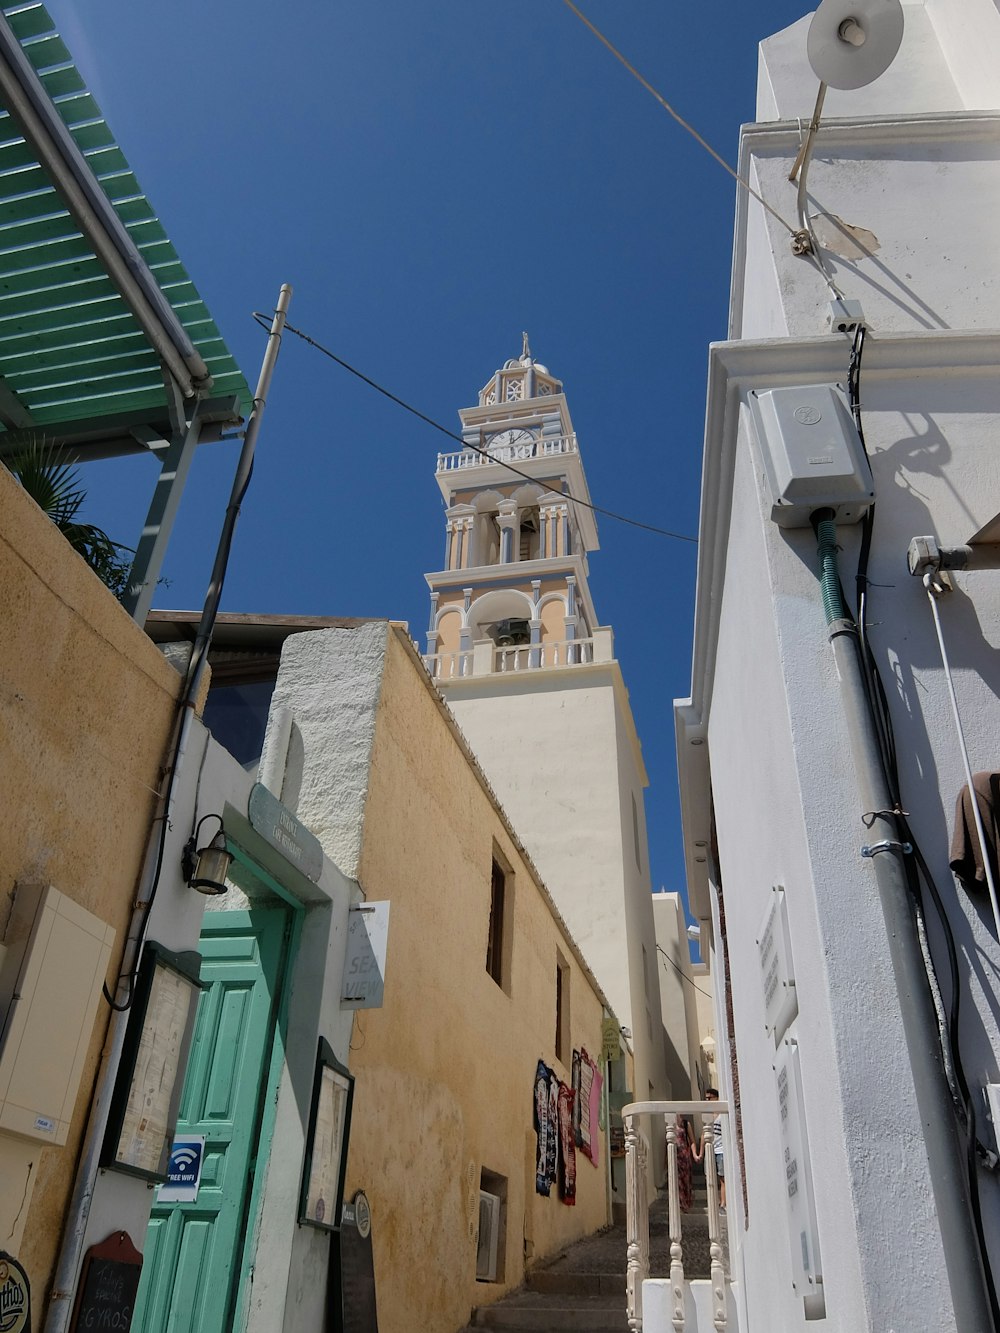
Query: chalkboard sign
{"x":352,"y":1271}
{"x":108,"y":1284}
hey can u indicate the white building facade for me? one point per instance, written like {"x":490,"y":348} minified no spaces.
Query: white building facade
{"x":851,"y":1197}
{"x":515,"y":647}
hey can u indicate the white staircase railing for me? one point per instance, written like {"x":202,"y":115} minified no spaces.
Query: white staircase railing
{"x":637,"y":1212}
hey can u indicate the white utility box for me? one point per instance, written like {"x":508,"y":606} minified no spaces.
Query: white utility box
{"x":51,"y":972}
{"x":813,"y":456}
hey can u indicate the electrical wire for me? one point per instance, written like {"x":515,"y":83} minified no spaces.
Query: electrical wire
{"x":677,"y":116}
{"x":681,"y":973}
{"x":919,"y":875}
{"x":473,"y":448}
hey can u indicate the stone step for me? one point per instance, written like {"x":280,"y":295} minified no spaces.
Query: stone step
{"x":556,"y":1282}
{"x":527,"y":1310}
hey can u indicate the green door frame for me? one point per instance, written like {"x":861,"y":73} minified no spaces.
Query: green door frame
{"x":267,"y":1105}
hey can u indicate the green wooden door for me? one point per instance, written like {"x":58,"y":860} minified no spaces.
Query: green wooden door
{"x":191,"y":1259}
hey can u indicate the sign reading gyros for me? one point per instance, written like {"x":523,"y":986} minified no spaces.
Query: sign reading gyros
{"x":15,"y":1296}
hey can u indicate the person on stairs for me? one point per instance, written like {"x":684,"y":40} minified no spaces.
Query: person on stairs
{"x":714,"y":1126}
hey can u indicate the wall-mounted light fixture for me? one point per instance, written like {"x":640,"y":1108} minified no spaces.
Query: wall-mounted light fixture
{"x":205,"y":868}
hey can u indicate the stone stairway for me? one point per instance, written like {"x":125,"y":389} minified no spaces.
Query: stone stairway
{"x":583,"y":1289}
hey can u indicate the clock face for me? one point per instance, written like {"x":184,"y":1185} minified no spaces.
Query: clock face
{"x":521,"y":442}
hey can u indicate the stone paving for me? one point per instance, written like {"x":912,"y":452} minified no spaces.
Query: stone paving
{"x":584,"y":1287}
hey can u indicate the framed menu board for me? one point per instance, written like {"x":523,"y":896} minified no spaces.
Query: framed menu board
{"x":154,"y":1059}
{"x":326,"y":1144}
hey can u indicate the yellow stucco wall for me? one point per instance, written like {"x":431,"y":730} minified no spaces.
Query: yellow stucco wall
{"x":445,"y":1069}
{"x":86,"y":704}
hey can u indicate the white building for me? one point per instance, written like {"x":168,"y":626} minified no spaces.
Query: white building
{"x":679,"y":994}
{"x":517,"y":649}
{"x":857,"y":1202}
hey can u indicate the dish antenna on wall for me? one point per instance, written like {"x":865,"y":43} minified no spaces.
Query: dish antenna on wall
{"x":852,"y":42}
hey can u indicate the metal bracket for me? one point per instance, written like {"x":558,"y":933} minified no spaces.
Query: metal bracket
{"x":887,"y":845}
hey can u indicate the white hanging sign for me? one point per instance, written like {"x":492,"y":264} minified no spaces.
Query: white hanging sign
{"x":364,"y":962}
{"x":807,"y":1277}
{"x":781,"y":1002}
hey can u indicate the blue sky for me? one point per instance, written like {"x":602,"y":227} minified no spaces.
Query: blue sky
{"x":433,"y":178}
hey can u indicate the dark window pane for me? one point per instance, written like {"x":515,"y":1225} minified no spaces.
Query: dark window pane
{"x":236,"y":715}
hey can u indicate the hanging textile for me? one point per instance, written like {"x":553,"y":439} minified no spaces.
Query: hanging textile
{"x":581,"y":1109}
{"x":596,"y":1111}
{"x":567,"y":1155}
{"x":552,"y":1159}
{"x":546,"y":1129}
{"x":577,"y":1101}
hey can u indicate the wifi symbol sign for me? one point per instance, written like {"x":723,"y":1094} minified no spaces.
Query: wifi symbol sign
{"x":184,"y":1160}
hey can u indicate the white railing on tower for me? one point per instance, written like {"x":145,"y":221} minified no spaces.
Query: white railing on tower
{"x":517,"y":657}
{"x":544,"y":447}
{"x":637,"y":1214}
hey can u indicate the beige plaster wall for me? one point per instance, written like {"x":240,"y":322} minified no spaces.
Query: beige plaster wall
{"x":86,"y":704}
{"x":445,"y":1069}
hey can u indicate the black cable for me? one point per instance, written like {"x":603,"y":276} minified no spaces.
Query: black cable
{"x":918,"y":873}
{"x":680,"y":971}
{"x":473,"y":448}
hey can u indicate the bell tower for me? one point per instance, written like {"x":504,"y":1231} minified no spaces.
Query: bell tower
{"x":515,"y":647}
{"x":513,"y":593}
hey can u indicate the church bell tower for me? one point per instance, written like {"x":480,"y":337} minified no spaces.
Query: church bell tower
{"x":513,"y":593}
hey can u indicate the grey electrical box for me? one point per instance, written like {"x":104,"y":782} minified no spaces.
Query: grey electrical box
{"x":813,"y":455}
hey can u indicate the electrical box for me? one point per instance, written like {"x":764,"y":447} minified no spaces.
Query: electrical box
{"x":813,"y":455}
{"x":53,"y":966}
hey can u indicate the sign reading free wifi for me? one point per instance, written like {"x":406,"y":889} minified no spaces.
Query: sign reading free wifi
{"x":187,"y":1156}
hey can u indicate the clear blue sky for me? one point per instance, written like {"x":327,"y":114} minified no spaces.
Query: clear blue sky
{"x":434,"y":176}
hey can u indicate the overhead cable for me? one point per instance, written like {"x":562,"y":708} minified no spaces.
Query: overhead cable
{"x":682,"y":974}
{"x":740,"y":180}
{"x":264,"y":322}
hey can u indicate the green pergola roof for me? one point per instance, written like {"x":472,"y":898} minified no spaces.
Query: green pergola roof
{"x":71,"y":350}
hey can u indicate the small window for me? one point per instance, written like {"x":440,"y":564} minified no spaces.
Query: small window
{"x":491,"y":1246}
{"x":498,"y":938}
{"x":635,"y":833}
{"x":562,"y":1009}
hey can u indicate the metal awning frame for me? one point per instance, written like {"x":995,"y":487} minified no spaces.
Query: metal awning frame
{"x":191,"y":416}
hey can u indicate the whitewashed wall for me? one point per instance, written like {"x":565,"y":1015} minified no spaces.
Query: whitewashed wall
{"x":914,"y":160}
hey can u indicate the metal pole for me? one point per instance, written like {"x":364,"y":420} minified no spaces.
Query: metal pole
{"x":199,"y":653}
{"x":945,"y":1152}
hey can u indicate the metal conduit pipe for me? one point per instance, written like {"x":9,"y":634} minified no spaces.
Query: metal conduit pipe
{"x":945,"y":1150}
{"x":24,"y":97}
{"x":78,"y":1214}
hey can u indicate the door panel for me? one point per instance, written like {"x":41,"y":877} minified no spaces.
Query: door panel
{"x":192,"y":1249}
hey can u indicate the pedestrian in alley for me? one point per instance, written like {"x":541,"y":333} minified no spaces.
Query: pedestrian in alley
{"x":714,"y":1127}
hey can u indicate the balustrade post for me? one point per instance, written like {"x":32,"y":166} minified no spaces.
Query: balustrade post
{"x":674,"y":1226}
{"x":635,"y":1224}
{"x":717,"y":1270}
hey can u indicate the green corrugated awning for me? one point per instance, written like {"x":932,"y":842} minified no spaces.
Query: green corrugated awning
{"x":73,"y":355}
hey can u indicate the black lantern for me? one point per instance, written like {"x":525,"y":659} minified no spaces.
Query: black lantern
{"x":205,"y":869}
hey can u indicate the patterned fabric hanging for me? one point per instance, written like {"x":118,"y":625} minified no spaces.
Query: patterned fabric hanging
{"x":578,"y":1102}
{"x":552,"y":1158}
{"x":596,"y":1109}
{"x":582,"y":1111}
{"x":546,"y":1129}
{"x":567,"y":1156}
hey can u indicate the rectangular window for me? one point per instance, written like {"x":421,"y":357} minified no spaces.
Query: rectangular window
{"x":635,"y":833}
{"x":492,"y":1243}
{"x":562,"y":1009}
{"x":499,"y":934}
